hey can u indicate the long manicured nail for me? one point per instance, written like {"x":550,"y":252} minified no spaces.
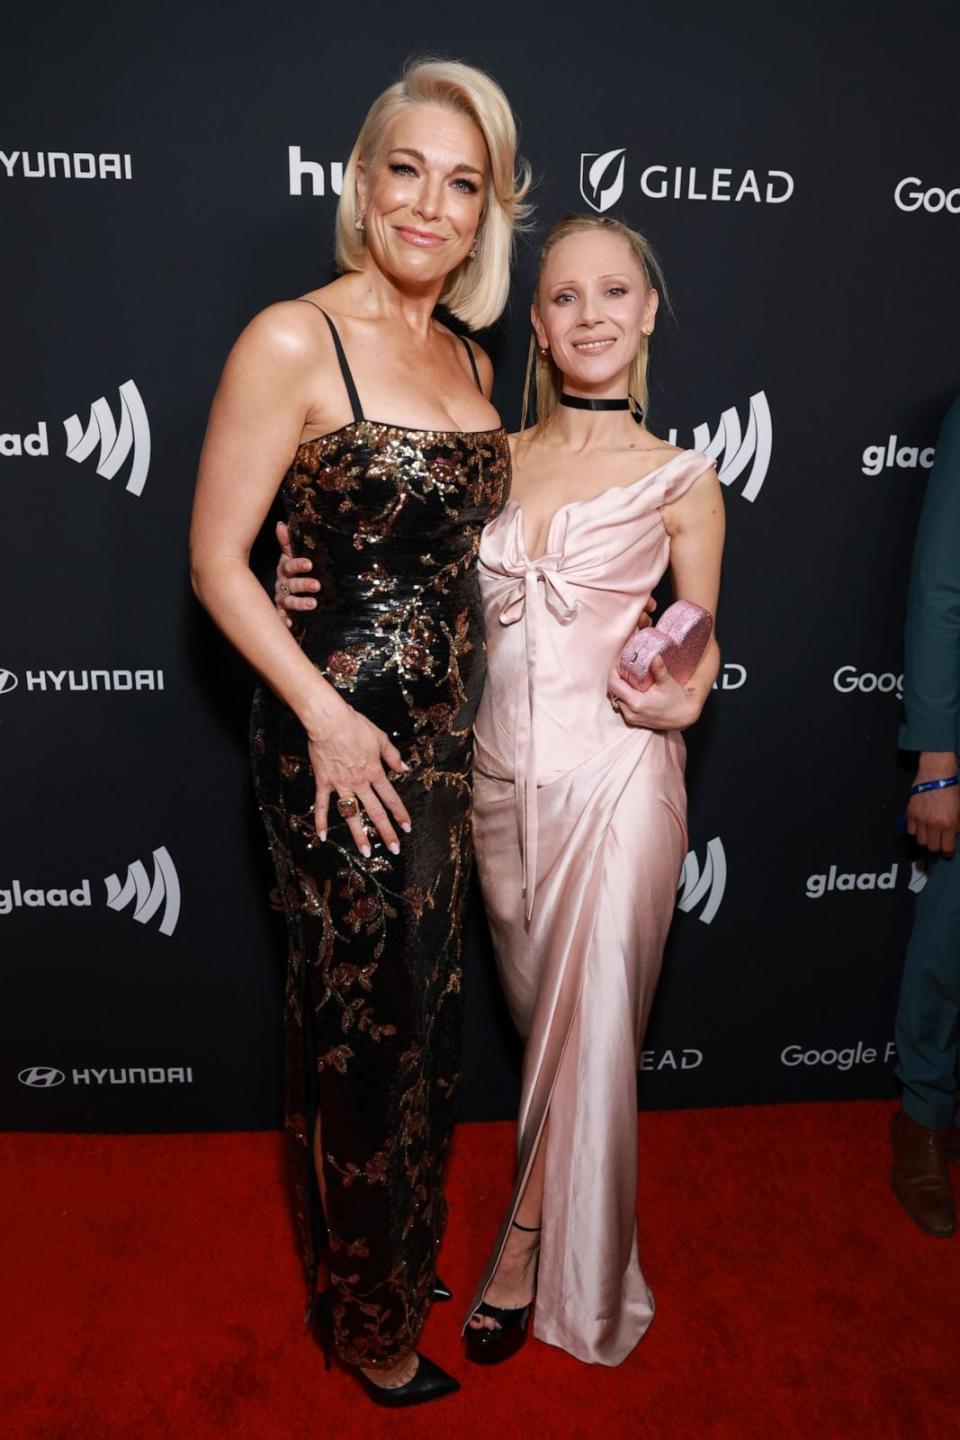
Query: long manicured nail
{"x":394,"y":848}
{"x":365,"y":851}
{"x":323,"y":834}
{"x":405,"y":825}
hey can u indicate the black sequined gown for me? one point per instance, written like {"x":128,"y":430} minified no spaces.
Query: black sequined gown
{"x":391,"y":519}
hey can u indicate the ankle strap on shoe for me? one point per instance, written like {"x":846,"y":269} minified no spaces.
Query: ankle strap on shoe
{"x":530,"y":1229}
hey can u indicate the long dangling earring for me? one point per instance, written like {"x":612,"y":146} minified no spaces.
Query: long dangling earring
{"x":358,"y":223}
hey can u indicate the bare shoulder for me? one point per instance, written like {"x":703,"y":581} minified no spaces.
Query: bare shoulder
{"x":286,"y":331}
{"x":700,"y":503}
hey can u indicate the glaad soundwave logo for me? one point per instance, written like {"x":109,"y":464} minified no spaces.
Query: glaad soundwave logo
{"x":733,"y":451}
{"x":133,"y":437}
{"x":147,"y":898}
{"x":601,"y":178}
{"x":707,"y":885}
{"x":146,"y":895}
{"x":128,"y":441}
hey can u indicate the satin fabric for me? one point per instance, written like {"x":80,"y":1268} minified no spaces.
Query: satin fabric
{"x":580,"y":835}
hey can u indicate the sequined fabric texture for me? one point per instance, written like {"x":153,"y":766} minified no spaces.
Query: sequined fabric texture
{"x":391,"y":519}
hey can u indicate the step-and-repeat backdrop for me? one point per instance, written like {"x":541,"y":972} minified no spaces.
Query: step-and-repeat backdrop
{"x":165,"y":173}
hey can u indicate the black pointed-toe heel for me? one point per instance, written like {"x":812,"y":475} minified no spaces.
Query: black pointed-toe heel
{"x":486,"y":1346}
{"x":429,"y":1381}
{"x":440,"y":1291}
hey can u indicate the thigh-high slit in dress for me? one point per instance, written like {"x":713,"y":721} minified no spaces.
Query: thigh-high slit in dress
{"x":391,"y":518}
{"x":580,"y":835}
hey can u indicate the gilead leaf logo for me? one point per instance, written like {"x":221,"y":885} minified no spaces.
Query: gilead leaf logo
{"x":601,"y":178}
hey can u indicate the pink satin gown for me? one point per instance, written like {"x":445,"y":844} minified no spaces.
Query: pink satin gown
{"x":580,"y":832}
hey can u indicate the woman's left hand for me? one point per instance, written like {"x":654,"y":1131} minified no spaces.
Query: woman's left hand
{"x":667,"y":705}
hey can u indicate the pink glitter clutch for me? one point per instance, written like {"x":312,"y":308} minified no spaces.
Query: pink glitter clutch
{"x":680,"y":636}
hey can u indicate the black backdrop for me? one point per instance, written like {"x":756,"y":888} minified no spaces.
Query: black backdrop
{"x":142,"y":961}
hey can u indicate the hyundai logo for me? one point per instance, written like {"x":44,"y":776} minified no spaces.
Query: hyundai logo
{"x":8,"y":682}
{"x":41,"y":1077}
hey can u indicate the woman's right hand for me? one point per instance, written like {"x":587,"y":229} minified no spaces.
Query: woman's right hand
{"x":347,"y":753}
{"x":292,"y":591}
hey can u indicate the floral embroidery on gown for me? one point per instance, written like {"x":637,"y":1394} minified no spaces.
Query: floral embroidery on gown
{"x":391,"y":519}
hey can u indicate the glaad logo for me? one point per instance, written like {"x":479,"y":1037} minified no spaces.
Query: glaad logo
{"x":847,"y":679}
{"x":847,"y":880}
{"x":601,"y":178}
{"x":907,"y":196}
{"x":115,"y":445}
{"x":312,"y":170}
{"x":707,"y":885}
{"x":738,"y":450}
{"x":61,"y":164}
{"x":889,"y":457}
{"x":41,"y":1077}
{"x":147,"y":897}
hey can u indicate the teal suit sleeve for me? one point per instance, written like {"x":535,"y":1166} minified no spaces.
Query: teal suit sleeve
{"x":931,"y":698}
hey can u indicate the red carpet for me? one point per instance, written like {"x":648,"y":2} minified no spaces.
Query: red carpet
{"x":150,"y":1289}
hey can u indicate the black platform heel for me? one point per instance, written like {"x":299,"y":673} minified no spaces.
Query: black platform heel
{"x":486,"y":1346}
{"x":429,"y":1381}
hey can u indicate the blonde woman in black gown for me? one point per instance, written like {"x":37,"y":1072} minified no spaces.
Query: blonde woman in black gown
{"x":374,"y":423}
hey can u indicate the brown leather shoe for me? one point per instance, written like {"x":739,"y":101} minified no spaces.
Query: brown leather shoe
{"x":919,"y":1177}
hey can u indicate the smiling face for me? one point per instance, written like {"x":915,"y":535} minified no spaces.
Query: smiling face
{"x":593,"y":305}
{"x":422,"y":195}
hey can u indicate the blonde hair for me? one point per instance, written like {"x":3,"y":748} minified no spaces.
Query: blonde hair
{"x":543,"y":380}
{"x":477,"y":289}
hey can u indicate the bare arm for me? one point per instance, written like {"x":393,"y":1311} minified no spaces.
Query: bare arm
{"x":695,"y":524}
{"x":256,"y":421}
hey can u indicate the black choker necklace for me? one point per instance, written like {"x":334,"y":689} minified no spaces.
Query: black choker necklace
{"x":581,"y":402}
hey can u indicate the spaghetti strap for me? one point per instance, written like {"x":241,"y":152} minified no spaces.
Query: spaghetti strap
{"x":473,"y":362}
{"x":351,"y":388}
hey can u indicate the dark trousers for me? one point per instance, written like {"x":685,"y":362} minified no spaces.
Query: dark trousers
{"x":928,"y":1014}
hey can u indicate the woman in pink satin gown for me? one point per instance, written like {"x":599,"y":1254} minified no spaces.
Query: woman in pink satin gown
{"x":579,"y":802}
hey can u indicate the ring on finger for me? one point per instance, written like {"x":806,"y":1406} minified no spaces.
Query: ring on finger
{"x":614,"y":703}
{"x":284,"y":588}
{"x":348,"y":806}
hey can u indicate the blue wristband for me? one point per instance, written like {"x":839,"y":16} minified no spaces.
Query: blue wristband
{"x":935,"y":785}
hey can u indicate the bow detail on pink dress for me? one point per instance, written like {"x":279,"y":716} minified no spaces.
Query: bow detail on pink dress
{"x":540,"y":591}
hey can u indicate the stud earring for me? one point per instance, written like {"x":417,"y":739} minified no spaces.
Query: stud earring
{"x":472,"y":252}
{"x":358,"y":223}
{"x":544,"y":353}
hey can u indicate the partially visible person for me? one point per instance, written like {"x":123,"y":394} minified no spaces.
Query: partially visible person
{"x":924,"y":1133}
